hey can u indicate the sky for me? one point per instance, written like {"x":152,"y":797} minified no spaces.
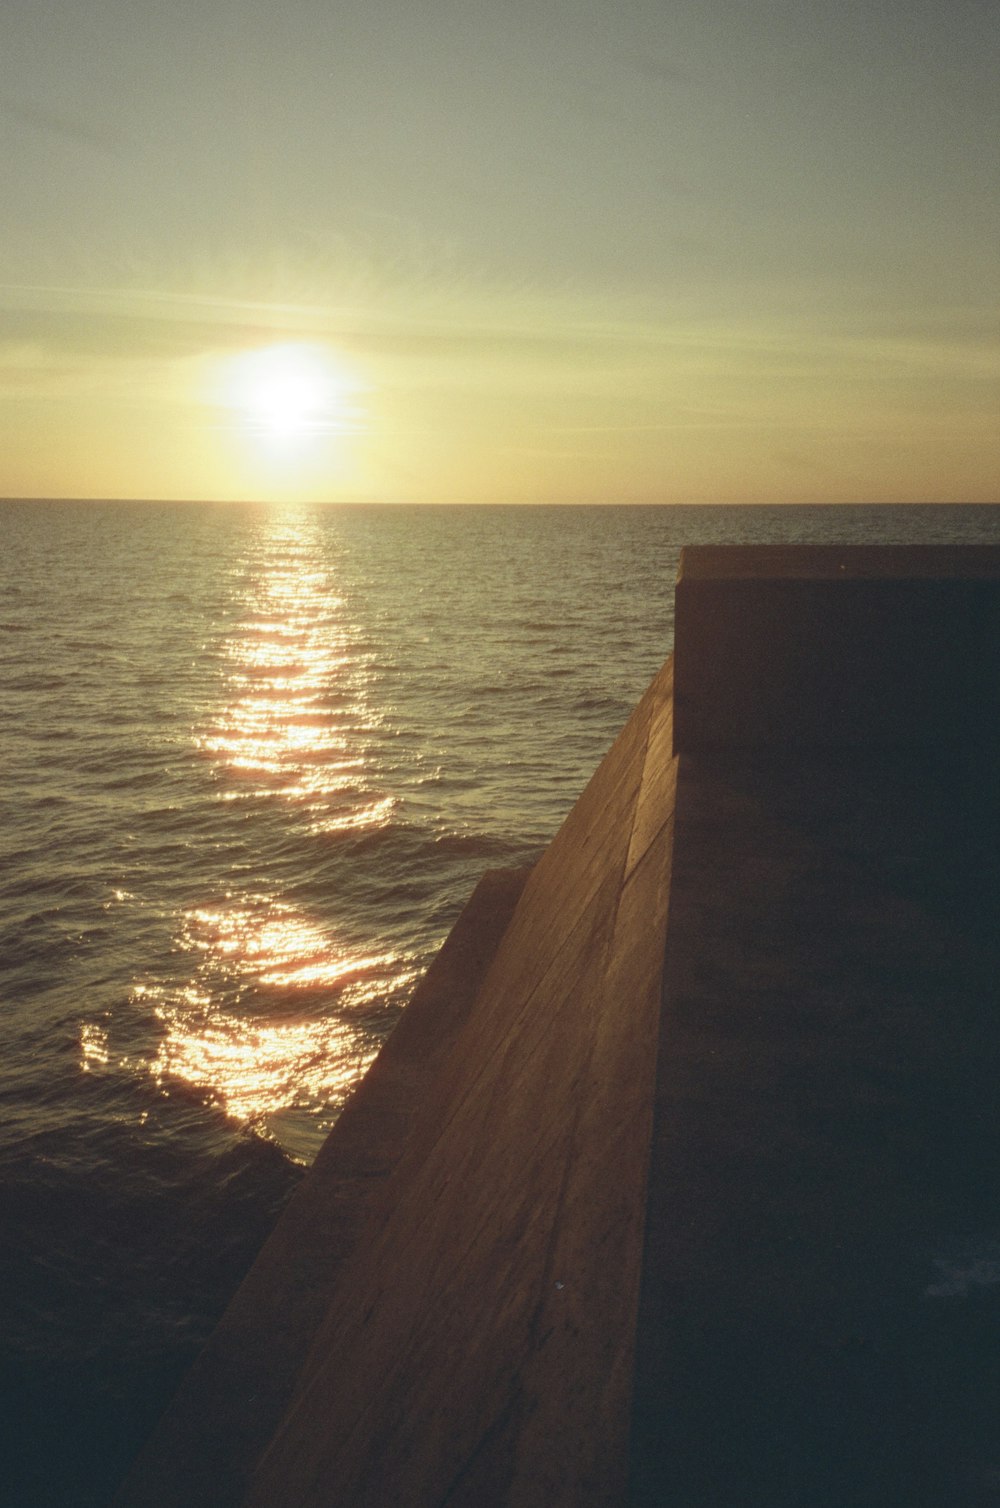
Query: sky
{"x":654,"y":251}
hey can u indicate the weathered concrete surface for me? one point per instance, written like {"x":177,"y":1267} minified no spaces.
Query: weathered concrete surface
{"x":856,"y":646}
{"x":820,"y":1321}
{"x":820,"y":1317}
{"x":479,"y":1346}
{"x":207,"y":1444}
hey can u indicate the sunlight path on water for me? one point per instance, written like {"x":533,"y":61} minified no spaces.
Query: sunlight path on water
{"x":273,"y":1021}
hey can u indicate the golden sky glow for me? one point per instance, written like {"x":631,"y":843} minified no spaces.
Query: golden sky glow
{"x":587,"y":253}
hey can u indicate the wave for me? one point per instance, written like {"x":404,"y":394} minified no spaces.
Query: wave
{"x":480,"y":845}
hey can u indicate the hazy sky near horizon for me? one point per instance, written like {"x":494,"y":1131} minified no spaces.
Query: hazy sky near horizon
{"x":746,"y":250}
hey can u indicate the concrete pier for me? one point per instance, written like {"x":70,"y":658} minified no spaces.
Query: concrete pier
{"x":858,"y":647}
{"x":235,"y":1395}
{"x":677,"y":1183}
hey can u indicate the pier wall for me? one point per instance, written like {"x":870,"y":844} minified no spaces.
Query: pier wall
{"x":433,"y":1339}
{"x":676,"y":1185}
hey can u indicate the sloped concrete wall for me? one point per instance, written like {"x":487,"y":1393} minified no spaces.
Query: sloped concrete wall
{"x":446,"y":1311}
{"x":479,"y":1347}
{"x":208,"y":1442}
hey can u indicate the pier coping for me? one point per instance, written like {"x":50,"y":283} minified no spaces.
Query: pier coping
{"x":800,"y":647}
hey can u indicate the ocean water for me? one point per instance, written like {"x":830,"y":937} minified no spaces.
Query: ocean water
{"x":252,"y":762}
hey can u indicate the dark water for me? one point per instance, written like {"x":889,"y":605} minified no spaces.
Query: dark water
{"x":253,"y":761}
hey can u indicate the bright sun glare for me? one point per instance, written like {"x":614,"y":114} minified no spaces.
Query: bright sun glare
{"x":290,"y":390}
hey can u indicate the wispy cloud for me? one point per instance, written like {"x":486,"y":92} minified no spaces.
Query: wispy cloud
{"x":518,"y":337}
{"x":63,"y":124}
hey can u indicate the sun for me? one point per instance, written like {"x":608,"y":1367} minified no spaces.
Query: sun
{"x":290,"y":391}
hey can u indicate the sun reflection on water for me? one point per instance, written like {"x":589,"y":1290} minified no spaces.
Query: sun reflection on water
{"x":254,"y":1028}
{"x":298,"y":719}
{"x":275,"y":1017}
